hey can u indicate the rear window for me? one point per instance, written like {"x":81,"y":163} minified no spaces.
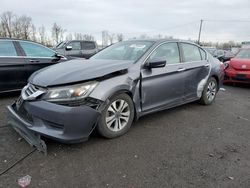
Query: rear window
{"x":203,"y":54}
{"x":88,"y":45}
{"x":191,"y":52}
{"x":7,"y":48}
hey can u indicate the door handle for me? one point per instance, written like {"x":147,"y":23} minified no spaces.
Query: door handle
{"x":34,"y":61}
{"x":207,"y":65}
{"x":181,"y":69}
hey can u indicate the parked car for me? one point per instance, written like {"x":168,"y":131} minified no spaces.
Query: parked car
{"x":19,"y":59}
{"x":223,"y":55}
{"x":211,"y":50}
{"x":123,"y":82}
{"x":238,"y":68}
{"x":77,"y":48}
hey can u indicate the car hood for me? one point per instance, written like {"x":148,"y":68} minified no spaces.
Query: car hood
{"x":75,"y":71}
{"x":240,"y":64}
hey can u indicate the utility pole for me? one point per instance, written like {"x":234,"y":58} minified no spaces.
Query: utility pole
{"x":199,"y":38}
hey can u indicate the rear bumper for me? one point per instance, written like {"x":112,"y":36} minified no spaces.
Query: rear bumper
{"x":234,"y":76}
{"x":61,"y":123}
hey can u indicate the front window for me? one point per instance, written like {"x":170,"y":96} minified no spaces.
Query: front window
{"x":168,"y":52}
{"x":243,"y":54}
{"x":36,"y":50}
{"x":7,"y":49}
{"x":131,"y":50}
{"x":75,"y":45}
{"x":60,"y":45}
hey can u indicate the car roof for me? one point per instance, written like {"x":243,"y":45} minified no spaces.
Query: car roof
{"x":15,"y":39}
{"x":162,"y":40}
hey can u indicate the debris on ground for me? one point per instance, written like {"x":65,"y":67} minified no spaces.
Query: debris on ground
{"x":222,"y":89}
{"x":20,"y":139}
{"x":211,"y":155}
{"x":230,"y":177}
{"x":5,"y":161}
{"x":24,"y":181}
{"x":136,"y":156}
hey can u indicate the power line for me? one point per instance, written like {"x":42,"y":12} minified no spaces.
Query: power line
{"x":227,"y":20}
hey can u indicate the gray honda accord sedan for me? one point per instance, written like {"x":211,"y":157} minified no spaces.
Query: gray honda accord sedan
{"x":115,"y":87}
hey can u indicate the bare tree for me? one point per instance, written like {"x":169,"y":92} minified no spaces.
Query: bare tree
{"x":41,"y":33}
{"x":105,"y":38}
{"x":119,"y":37}
{"x":111,"y":38}
{"x":69,"y":36}
{"x":57,"y":33}
{"x":78,"y":36}
{"x":88,"y":37}
{"x":33,"y":33}
{"x":7,"y":23}
{"x":26,"y":26}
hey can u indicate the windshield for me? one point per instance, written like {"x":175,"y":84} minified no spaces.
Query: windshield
{"x":243,"y":54}
{"x":131,"y":50}
{"x":60,"y":45}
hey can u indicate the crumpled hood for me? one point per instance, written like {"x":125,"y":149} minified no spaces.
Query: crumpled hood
{"x":240,"y":64}
{"x":75,"y":71}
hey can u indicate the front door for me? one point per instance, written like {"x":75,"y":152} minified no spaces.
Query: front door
{"x":75,"y":51}
{"x":163,"y":87}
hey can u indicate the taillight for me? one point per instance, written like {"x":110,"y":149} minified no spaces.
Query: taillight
{"x":222,"y":67}
{"x":226,"y":64}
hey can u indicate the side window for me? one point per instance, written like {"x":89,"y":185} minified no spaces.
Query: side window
{"x":88,"y":45}
{"x":168,"y":52}
{"x":36,"y":50}
{"x":7,"y":48}
{"x":191,"y":52}
{"x":75,"y":45}
{"x":203,"y":54}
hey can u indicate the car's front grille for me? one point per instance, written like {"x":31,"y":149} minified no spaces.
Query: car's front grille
{"x":31,"y":89}
{"x":31,"y":92}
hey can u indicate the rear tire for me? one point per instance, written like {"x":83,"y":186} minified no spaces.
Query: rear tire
{"x":117,"y":116}
{"x":209,"y":92}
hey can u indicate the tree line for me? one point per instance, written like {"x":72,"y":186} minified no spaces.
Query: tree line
{"x":22,"y":27}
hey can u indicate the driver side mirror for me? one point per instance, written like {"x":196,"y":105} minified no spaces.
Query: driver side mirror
{"x":68,"y":48}
{"x":155,"y":64}
{"x":59,"y":57}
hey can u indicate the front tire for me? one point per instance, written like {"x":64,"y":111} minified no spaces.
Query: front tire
{"x":117,"y":116}
{"x":209,"y":92}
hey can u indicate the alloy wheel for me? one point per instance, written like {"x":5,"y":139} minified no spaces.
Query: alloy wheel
{"x":211,"y":91}
{"x":117,"y":115}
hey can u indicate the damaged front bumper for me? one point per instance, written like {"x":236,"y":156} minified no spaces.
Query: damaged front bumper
{"x":33,"y":119}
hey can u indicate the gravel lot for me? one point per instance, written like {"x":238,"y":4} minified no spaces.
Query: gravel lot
{"x":188,"y":146}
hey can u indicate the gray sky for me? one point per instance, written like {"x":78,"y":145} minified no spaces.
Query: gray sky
{"x":136,"y":17}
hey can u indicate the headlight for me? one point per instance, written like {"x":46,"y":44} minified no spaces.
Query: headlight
{"x":69,"y":93}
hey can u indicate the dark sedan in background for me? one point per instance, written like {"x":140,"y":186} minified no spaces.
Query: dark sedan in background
{"x":19,"y":59}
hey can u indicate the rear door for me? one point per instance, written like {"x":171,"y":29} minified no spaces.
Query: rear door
{"x":163,"y":87}
{"x":12,"y":67}
{"x":89,"y":48}
{"x":36,"y":56}
{"x":197,"y":69}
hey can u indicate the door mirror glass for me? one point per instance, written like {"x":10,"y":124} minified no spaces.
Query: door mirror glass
{"x":155,"y":64}
{"x":68,"y":48}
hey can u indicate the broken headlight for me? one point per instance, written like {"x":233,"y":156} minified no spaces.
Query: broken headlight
{"x":70,"y":93}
